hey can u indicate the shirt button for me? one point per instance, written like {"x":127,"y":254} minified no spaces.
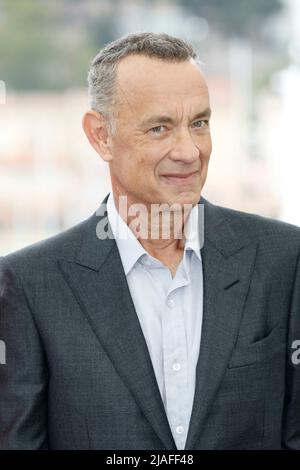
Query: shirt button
{"x":176,"y":366}
{"x":171,"y":303}
{"x":179,"y":429}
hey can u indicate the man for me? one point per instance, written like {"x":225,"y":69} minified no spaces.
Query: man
{"x":120,"y":337}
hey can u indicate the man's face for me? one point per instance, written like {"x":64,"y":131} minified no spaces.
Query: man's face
{"x":162,"y":129}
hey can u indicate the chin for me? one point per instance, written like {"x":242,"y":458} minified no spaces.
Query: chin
{"x":183,"y":197}
{"x":187,"y":198}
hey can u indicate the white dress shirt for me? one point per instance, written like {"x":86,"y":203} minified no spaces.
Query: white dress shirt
{"x":170,"y":313}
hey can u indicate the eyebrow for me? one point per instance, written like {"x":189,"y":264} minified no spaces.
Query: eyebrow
{"x":164,"y":119}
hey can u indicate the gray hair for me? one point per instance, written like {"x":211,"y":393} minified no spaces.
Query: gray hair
{"x":103,"y":70}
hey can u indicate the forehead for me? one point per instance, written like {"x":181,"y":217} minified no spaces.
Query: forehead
{"x":144,"y":82}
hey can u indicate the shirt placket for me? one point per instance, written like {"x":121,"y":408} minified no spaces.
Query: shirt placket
{"x":175,"y":361}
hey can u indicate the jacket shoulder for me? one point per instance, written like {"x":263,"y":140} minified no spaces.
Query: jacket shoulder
{"x":259,"y":222}
{"x":260,"y":227}
{"x":47,"y":251}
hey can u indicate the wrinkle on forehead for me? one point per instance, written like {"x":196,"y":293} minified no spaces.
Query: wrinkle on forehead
{"x":179,"y":108}
{"x":142,"y":81}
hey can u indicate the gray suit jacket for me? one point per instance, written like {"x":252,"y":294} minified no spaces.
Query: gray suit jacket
{"x":78,"y":374}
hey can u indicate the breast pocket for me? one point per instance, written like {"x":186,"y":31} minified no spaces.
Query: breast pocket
{"x":259,"y":351}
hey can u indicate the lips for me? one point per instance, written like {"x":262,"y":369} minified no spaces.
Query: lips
{"x":180,"y":177}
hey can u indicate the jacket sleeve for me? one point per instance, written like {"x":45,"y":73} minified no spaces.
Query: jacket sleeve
{"x":23,"y":369}
{"x":291,"y":417}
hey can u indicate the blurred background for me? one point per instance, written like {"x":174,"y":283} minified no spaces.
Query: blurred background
{"x":50,"y":177}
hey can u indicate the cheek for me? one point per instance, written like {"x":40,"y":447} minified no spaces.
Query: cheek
{"x":149,"y":159}
{"x":136,"y":169}
{"x":136,"y":160}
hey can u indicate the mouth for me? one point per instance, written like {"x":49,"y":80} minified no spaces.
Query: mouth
{"x":179,"y":178}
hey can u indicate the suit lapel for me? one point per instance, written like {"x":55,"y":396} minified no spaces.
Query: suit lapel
{"x":228,"y":259}
{"x":99,"y":284}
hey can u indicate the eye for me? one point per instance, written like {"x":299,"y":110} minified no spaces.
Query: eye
{"x":200,"y":123}
{"x":157,"y":129}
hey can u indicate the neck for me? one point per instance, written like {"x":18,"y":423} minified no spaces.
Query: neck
{"x":158,"y":227}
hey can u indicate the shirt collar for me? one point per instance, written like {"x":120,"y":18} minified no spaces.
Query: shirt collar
{"x":130,"y":248}
{"x":192,"y":232}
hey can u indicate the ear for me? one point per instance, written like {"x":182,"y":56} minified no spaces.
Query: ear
{"x":95,"y":127}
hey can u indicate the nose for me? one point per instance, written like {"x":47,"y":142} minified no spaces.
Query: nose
{"x":184,"y":148}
